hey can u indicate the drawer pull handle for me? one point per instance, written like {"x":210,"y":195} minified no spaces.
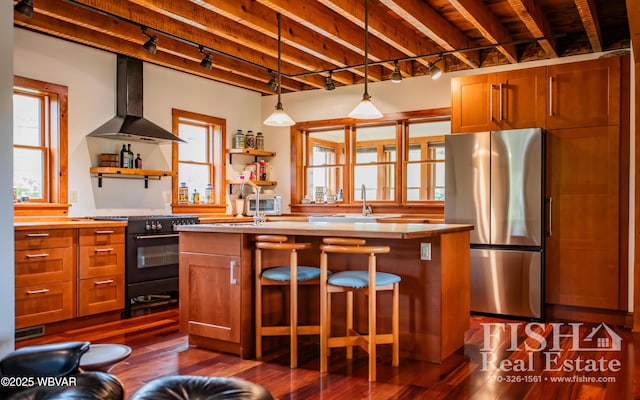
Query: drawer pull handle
{"x":37,"y":235}
{"x":108,"y":281}
{"x":40,"y":255}
{"x":104,"y":250}
{"x":104,"y":232}
{"x":232,"y":279}
{"x":38,"y":291}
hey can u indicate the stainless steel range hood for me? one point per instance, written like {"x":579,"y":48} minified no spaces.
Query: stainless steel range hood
{"x":129,"y":123}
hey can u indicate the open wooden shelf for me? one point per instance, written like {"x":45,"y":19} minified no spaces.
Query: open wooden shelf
{"x":252,"y":152}
{"x":128,"y":173}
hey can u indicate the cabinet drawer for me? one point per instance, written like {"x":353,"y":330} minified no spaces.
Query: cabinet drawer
{"x":101,"y":236}
{"x":211,"y":243}
{"x":101,"y":294}
{"x":41,"y":304}
{"x":103,"y":260}
{"x":34,"y":267}
{"x":44,"y":238}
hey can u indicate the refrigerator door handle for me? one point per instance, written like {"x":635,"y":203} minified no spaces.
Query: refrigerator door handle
{"x":491,"y":88}
{"x":550,"y":213}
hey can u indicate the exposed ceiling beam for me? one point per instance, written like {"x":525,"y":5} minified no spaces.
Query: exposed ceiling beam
{"x":424,"y":19}
{"x":589,"y":16}
{"x":531,"y":15}
{"x":477,"y":13}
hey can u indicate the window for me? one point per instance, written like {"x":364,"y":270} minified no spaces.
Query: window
{"x":398,"y":162}
{"x":40,"y":145}
{"x":199,"y":161}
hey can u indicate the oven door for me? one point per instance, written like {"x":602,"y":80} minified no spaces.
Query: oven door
{"x":151,"y":257}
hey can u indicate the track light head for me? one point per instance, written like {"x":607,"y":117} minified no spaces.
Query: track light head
{"x":396,"y":76}
{"x":151,"y":44}
{"x":273,"y":82}
{"x":207,"y":61}
{"x":329,"y":84}
{"x":24,"y":7}
{"x":434,"y":71}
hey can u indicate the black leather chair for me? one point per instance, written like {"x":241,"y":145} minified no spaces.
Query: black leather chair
{"x":22,"y":368}
{"x":186,"y":387}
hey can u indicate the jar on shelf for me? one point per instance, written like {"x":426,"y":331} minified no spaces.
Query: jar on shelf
{"x":250,"y":140}
{"x":183,"y":193}
{"x":238,"y":140}
{"x":208,"y":194}
{"x":195,"y":197}
{"x":259,"y":141}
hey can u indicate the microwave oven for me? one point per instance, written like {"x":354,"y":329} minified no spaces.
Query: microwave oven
{"x":270,"y":204}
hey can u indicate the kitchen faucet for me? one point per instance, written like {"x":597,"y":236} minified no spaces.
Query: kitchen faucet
{"x":366,"y":209}
{"x":257,"y":218}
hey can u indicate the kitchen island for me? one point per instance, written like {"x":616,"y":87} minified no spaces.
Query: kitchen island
{"x":216,"y":281}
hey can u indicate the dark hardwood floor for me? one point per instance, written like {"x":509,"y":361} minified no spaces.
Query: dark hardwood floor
{"x":494,"y":363}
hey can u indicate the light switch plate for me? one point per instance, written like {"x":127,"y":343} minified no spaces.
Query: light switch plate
{"x":167,"y":197}
{"x":73,"y":196}
{"x":425,"y":251}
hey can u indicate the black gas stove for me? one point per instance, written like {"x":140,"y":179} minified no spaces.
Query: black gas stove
{"x":151,"y":266}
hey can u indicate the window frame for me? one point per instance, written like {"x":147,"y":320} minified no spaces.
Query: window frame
{"x":399,"y":204}
{"x":216,"y":140}
{"x":56,"y":143}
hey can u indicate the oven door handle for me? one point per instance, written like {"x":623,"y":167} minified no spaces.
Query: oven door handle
{"x":171,"y":235}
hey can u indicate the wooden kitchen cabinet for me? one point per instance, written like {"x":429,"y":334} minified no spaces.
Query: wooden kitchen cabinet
{"x":583,"y":247}
{"x":504,"y":100}
{"x":584,"y":93}
{"x":101,"y":260}
{"x":45,"y":276}
{"x":215,"y":291}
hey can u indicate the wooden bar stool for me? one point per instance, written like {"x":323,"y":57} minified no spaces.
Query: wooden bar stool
{"x":367,"y":282}
{"x":291,"y":275}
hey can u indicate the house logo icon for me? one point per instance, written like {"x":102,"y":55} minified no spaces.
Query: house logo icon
{"x":601,"y":338}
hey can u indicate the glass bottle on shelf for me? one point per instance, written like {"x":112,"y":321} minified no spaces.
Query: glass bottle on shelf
{"x":138,"y":162}
{"x":130,"y":156}
{"x":195,"y":197}
{"x":250,"y":140}
{"x":259,"y":141}
{"x":208,"y":194}
{"x":124,"y":163}
{"x":238,"y":140}
{"x":183,"y":193}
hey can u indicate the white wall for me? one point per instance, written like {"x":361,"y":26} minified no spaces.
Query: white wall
{"x":90,"y":76}
{"x":7,"y":303}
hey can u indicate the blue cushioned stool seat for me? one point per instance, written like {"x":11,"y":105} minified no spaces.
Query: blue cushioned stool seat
{"x":283,"y":274}
{"x":360,"y":279}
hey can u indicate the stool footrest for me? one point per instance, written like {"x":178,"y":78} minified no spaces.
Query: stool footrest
{"x":286,"y":330}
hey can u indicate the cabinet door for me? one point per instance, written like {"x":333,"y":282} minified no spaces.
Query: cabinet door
{"x":518,"y":98}
{"x":41,"y":304}
{"x":584,"y":94}
{"x":582,"y":246}
{"x":101,"y":294}
{"x":210,"y":296}
{"x":471,"y":105}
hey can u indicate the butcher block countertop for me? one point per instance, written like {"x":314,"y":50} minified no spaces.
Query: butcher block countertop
{"x":28,"y":223}
{"x":364,"y":230}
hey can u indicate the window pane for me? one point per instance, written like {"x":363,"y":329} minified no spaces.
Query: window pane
{"x":26,"y":120}
{"x":327,"y":177}
{"x":196,"y":147}
{"x":28,"y":167}
{"x":419,"y":134}
{"x":373,"y":140}
{"x":327,"y":147}
{"x":196,"y":176}
{"x":425,"y":181}
{"x":379,"y":182}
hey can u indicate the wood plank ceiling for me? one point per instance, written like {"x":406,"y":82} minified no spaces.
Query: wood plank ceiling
{"x":319,"y":36}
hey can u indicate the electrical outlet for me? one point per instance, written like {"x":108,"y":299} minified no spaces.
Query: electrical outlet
{"x":425,"y":251}
{"x":167,"y":197}
{"x":73,"y":196}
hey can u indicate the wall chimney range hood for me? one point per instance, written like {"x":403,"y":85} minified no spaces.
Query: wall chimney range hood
{"x":129,"y":124}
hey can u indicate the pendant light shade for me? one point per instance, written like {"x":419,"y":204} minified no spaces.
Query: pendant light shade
{"x":279,"y":117}
{"x":366,"y":109}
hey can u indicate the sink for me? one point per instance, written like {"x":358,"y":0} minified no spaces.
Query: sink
{"x":349,"y":217}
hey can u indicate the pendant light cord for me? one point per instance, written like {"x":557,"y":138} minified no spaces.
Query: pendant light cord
{"x":366,"y":49}
{"x":279,"y":105}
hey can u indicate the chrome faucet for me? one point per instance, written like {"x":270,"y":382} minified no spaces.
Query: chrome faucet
{"x":366,"y":209}
{"x":257,"y":218}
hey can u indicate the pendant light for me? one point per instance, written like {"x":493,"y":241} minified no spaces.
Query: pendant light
{"x":366,"y":109}
{"x":279,"y":117}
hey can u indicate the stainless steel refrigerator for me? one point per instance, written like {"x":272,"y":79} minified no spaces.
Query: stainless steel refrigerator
{"x":495,"y":181}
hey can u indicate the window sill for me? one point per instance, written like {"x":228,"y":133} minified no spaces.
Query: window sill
{"x":199,"y":209}
{"x":40,"y":209}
